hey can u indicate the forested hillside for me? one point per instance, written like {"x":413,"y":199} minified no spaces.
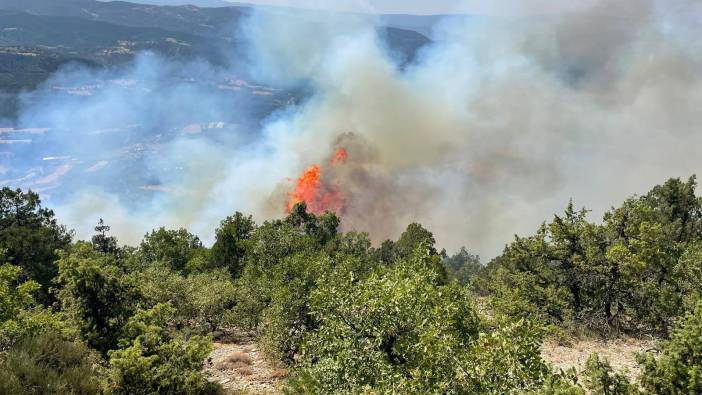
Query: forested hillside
{"x":345,"y":316}
{"x":47,"y":33}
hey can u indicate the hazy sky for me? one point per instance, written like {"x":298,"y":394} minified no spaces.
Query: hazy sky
{"x":491,"y":7}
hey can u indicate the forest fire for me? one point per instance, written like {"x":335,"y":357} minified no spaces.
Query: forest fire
{"x":318,"y":194}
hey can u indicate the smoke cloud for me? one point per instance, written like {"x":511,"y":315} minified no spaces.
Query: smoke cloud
{"x":489,"y":131}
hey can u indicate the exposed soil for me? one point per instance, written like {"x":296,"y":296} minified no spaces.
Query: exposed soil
{"x":621,"y":353}
{"x":240,"y":367}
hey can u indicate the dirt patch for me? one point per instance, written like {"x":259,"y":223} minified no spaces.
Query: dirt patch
{"x":240,"y":367}
{"x":621,"y":353}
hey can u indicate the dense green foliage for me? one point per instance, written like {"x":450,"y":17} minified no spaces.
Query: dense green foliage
{"x":399,"y":330}
{"x":20,"y":315}
{"x":678,"y":370}
{"x":636,"y":272}
{"x":30,"y":236}
{"x":462,"y":266}
{"x":230,"y":244}
{"x":154,"y":360}
{"x":94,"y":295}
{"x":46,"y":364}
{"x":348,"y":317}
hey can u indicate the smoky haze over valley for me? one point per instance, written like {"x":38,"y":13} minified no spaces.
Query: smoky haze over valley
{"x":478,"y":127}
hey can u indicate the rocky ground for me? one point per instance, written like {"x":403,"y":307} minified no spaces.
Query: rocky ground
{"x":238,"y":365}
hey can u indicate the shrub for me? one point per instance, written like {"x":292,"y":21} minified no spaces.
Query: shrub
{"x":287,"y":318}
{"x":173,"y":247}
{"x":679,"y":368}
{"x":30,"y":236}
{"x":155,"y":359}
{"x":599,"y":378}
{"x":20,"y":315}
{"x":203,"y":301}
{"x":95,"y":295}
{"x":48,"y":364}
{"x":400,"y":330}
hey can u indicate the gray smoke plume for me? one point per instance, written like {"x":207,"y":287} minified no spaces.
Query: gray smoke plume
{"x":486,"y":134}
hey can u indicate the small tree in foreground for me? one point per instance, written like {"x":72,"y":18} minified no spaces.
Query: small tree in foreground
{"x":155,"y":360}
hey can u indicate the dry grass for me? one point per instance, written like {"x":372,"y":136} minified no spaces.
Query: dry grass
{"x":236,"y":360}
{"x":278,"y":374}
{"x":239,"y":357}
{"x":245,"y":371}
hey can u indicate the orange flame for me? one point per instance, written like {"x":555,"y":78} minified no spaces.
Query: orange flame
{"x":339,"y":156}
{"x":318,"y":195}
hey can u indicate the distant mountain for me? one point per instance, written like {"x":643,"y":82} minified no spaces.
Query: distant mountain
{"x":423,"y":24}
{"x":98,"y":41}
{"x":197,"y":3}
{"x":38,"y":36}
{"x":219,"y":22}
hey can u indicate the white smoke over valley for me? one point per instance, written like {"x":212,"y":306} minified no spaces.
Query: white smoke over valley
{"x":486,"y":133}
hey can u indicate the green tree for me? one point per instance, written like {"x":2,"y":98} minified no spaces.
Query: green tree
{"x":20,"y":314}
{"x":568,"y":251}
{"x":174,"y":247}
{"x":102,"y":242}
{"x":525,"y":284}
{"x":153,"y":359}
{"x":230,"y":243}
{"x":95,"y":295}
{"x":386,"y":253}
{"x":414,"y":236}
{"x":636,"y":272}
{"x":462,"y":266}
{"x":30,"y":236}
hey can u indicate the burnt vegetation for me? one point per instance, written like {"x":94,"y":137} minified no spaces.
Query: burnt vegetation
{"x":344,"y":316}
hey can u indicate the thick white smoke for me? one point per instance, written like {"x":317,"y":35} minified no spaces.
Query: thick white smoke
{"x":489,"y":132}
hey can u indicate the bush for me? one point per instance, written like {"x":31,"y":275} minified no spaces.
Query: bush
{"x":637,"y":272}
{"x":230,"y":243}
{"x":599,"y":378}
{"x":173,"y":247}
{"x":30,"y":236}
{"x":48,"y":364}
{"x":155,"y":359}
{"x":20,"y":314}
{"x":679,"y":368}
{"x":287,"y":319}
{"x":95,"y":295}
{"x":203,"y":301}
{"x":400,"y":330}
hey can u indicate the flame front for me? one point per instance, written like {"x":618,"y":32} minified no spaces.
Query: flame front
{"x":320,"y":196}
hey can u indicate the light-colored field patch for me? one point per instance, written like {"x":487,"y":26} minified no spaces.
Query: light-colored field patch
{"x":621,"y":353}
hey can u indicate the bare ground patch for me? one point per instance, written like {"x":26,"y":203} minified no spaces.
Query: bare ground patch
{"x":240,"y":367}
{"x":621,"y":353}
